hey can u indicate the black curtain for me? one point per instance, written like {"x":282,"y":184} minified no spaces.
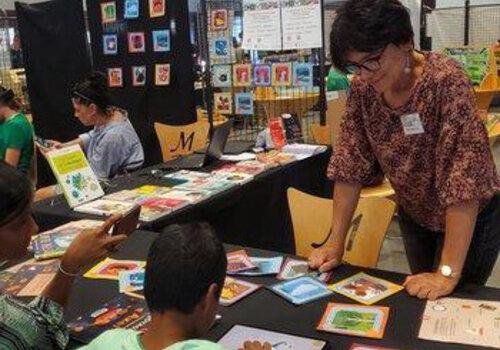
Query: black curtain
{"x":173,"y":104}
{"x":53,"y":40}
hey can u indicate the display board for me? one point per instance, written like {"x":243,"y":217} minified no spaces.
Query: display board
{"x":144,"y":48}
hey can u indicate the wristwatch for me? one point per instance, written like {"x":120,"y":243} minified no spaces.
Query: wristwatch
{"x":446,"y":271}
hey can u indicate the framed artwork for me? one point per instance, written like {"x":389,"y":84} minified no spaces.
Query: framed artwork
{"x":138,"y":75}
{"x":262,"y":75}
{"x":110,"y":44}
{"x":131,"y":9}
{"x":220,"y":50}
{"x":223,"y":102}
{"x":221,"y":75}
{"x":108,"y":12}
{"x":303,"y":74}
{"x":162,"y":74}
{"x":161,"y":40}
{"x":219,"y":19}
{"x":242,"y":75}
{"x":115,"y":77}
{"x":157,"y":8}
{"x":136,"y":42}
{"x":244,"y":103}
{"x":282,"y":74}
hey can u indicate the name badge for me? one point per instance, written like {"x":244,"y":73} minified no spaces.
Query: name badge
{"x":412,"y":125}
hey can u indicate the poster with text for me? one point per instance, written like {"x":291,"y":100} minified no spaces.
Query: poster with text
{"x":301,"y":24}
{"x":261,"y":25}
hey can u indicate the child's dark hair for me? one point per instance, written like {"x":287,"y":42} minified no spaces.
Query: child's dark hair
{"x":15,"y":193}
{"x":93,"y":89}
{"x":368,"y":26}
{"x":8,"y":98}
{"x":183,"y":262}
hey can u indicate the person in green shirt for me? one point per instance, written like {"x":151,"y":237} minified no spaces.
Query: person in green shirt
{"x":336,"y":81}
{"x":185,"y":273}
{"x":16,"y":133}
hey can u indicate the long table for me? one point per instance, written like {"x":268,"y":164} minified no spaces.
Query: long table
{"x":265,"y":309}
{"x":253,"y":214}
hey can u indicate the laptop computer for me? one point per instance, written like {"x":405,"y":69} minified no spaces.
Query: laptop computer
{"x":214,"y":151}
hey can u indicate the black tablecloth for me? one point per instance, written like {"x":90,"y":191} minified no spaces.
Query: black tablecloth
{"x":265,"y":309}
{"x":254,"y":214}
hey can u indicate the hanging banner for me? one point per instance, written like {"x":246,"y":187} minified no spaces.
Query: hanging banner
{"x":261,"y":25}
{"x":301,"y":24}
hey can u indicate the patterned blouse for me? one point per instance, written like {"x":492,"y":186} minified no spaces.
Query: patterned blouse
{"x":37,"y":325}
{"x":450,"y":162}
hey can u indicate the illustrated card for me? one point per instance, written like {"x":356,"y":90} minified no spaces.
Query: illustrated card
{"x":131,"y":281}
{"x":356,"y":320}
{"x":239,"y":261}
{"x":223,"y":102}
{"x":138,"y":75}
{"x":365,"y":289}
{"x":303,"y":74}
{"x":110,"y":44}
{"x":236,"y":337}
{"x":219,"y":19}
{"x":221,"y":75}
{"x":242,"y":75}
{"x":220,"y":50}
{"x":244,"y":103}
{"x":131,"y":9}
{"x":161,"y":40}
{"x":136,"y":42}
{"x":301,"y":290}
{"x":293,"y":268}
{"x":110,"y":268}
{"x":235,"y":290}
{"x":265,"y":266}
{"x":262,"y":75}
{"x":162,"y":74}
{"x":108,"y":12}
{"x":157,"y":8}
{"x":122,"y":312}
{"x":115,"y":77}
{"x":282,"y":74}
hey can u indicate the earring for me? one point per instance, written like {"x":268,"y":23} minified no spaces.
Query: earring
{"x":407,"y":68}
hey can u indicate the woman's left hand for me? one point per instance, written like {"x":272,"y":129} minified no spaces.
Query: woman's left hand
{"x":430,"y":285}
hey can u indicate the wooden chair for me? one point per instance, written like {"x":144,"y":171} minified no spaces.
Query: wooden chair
{"x":383,"y":190}
{"x":312,"y":221}
{"x":321,"y":134}
{"x":181,"y":140}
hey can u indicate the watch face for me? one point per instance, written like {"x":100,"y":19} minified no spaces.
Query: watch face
{"x":446,"y":270}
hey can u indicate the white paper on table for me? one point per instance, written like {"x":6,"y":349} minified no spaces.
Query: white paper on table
{"x":463,"y":321}
{"x":301,"y":24}
{"x":261,"y":25}
{"x":238,"y":157}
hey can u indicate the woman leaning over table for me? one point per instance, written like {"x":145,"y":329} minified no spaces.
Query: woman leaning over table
{"x":411,"y":116}
{"x":40,"y":323}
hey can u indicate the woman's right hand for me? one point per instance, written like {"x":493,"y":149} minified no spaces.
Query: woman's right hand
{"x":327,"y":258}
{"x":89,"y":246}
{"x":53,"y":144}
{"x":255,"y":345}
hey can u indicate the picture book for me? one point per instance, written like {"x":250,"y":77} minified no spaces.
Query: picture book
{"x":105,"y":207}
{"x":125,"y":196}
{"x":238,"y":335}
{"x":250,"y":167}
{"x":365,"y":289}
{"x":462,"y":321}
{"x":277,"y":132}
{"x":152,"y":190}
{"x":191,"y":197}
{"x":122,"y":312}
{"x":303,"y":74}
{"x":223,"y":102}
{"x":292,"y":127}
{"x":221,"y":75}
{"x":235,"y":290}
{"x":356,"y":320}
{"x":302,"y":151}
{"x":74,"y":174}
{"x":242,"y":75}
{"x":282,"y":74}
{"x":219,"y":19}
{"x":243,"y":102}
{"x":265,"y":266}
{"x":29,"y":279}
{"x":234,"y":177}
{"x":53,"y":244}
{"x":188,"y":177}
{"x":110,"y":268}
{"x":239,"y":261}
{"x":262,"y":75}
{"x":155,"y":207}
{"x":161,"y":40}
{"x":301,"y":290}
{"x":131,"y":281}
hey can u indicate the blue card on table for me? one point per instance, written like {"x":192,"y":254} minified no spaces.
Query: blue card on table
{"x":265,"y":266}
{"x":301,"y":290}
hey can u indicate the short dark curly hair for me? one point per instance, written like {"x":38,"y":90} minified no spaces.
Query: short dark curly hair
{"x":368,"y":26}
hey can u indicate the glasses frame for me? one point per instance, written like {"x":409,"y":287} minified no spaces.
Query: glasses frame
{"x":355,"y":68}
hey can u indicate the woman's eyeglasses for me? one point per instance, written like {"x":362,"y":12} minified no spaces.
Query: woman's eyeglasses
{"x":371,"y":64}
